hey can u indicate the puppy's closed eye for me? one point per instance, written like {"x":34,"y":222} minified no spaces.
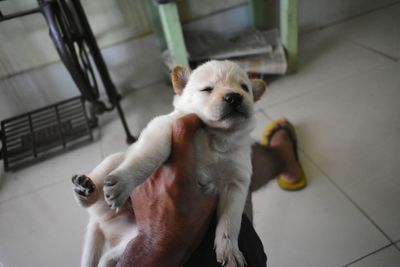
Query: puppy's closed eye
{"x":208,"y":89}
{"x":244,"y":87}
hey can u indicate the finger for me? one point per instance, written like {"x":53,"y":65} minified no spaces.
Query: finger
{"x":183,"y":132}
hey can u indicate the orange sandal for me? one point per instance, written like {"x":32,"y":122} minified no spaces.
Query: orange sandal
{"x":269,"y":132}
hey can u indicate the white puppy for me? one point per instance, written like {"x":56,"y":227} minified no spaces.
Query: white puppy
{"x":222,"y":96}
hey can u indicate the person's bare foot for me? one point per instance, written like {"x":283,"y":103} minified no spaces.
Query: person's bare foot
{"x":283,"y":145}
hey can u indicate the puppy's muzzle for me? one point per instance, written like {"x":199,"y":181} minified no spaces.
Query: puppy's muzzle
{"x":233,"y":99}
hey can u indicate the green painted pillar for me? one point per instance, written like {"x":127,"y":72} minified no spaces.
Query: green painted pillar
{"x":156,"y":24}
{"x":289,"y":31}
{"x":257,"y":13}
{"x":173,"y":33}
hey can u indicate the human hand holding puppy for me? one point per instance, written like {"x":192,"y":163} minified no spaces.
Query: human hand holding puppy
{"x":171,"y":211}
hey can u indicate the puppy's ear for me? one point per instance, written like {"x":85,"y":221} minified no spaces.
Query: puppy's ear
{"x":180,"y":76}
{"x":259,"y":87}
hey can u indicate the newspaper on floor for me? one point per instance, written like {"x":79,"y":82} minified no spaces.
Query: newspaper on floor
{"x":256,"y":51}
{"x":267,"y":63}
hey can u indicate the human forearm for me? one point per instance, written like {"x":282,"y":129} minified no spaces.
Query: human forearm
{"x":145,"y":252}
{"x":172,"y":213}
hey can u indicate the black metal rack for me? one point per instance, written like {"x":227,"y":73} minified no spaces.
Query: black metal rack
{"x":31,"y":136}
{"x":76,"y":45}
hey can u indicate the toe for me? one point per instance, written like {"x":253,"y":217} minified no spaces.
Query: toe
{"x":74,"y":178}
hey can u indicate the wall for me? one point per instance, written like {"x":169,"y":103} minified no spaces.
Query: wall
{"x":27,"y":80}
{"x":25,"y":42}
{"x":31,"y":75}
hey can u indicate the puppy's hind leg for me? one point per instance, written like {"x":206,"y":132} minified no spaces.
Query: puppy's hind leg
{"x":111,"y":257}
{"x":93,"y":246}
{"x":85,"y":190}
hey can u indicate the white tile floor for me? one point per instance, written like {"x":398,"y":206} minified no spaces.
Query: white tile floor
{"x":344,"y":103}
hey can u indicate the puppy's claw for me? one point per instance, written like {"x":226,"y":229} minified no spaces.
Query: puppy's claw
{"x":107,"y":182}
{"x":228,"y":253}
{"x":117,"y":190}
{"x":79,"y":192}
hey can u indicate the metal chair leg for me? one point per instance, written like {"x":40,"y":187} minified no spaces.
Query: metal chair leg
{"x":69,"y":28}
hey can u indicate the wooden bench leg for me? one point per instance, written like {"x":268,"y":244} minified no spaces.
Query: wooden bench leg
{"x":289,"y":31}
{"x":173,"y":33}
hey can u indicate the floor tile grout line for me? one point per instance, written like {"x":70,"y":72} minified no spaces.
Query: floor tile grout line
{"x":145,"y":86}
{"x":397,"y":245}
{"x":349,"y":198}
{"x":321,"y":87}
{"x":48,"y":185}
{"x":340,"y":189}
{"x":344,"y":20}
{"x":369,"y":254}
{"x":317,"y":87}
{"x":30,"y":192}
{"x":310,"y":91}
{"x":371,"y":49}
{"x":101,"y":142}
{"x":391,"y":242}
{"x":266,"y":114}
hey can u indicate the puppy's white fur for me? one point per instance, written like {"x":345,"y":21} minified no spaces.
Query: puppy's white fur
{"x":222,"y":154}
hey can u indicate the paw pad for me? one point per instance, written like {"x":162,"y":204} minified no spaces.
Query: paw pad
{"x":84,"y":186}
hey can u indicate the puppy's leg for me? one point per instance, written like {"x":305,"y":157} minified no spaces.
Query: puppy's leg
{"x":231,"y":203}
{"x":147,"y":154}
{"x":108,"y":164}
{"x":93,"y":246}
{"x":87,"y":190}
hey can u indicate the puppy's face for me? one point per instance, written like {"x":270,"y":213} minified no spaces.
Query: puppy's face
{"x":219,"y":92}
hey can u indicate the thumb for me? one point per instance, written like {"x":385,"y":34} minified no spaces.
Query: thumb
{"x":183,"y":131}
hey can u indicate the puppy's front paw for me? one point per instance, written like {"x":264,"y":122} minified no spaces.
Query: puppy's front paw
{"x":83,"y":188}
{"x":228,"y":252}
{"x":117,"y":190}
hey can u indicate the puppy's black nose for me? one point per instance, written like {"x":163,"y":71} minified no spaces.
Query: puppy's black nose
{"x":233,"y":99}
